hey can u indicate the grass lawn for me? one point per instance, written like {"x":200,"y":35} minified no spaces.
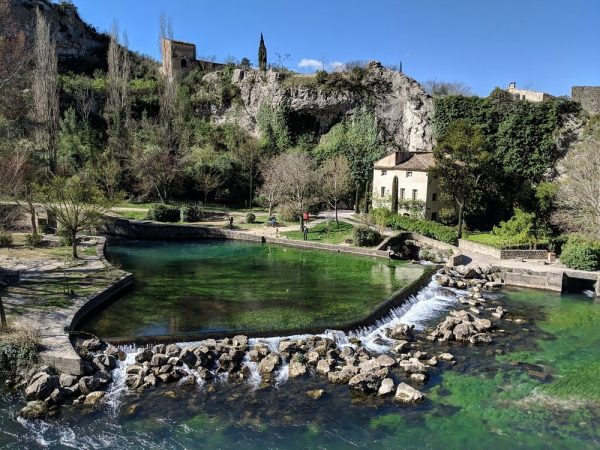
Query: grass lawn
{"x":327,"y":232}
{"x":134,"y":215}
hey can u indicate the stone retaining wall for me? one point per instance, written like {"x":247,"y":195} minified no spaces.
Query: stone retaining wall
{"x":57,"y":348}
{"x":488,"y":250}
{"x":152,"y":230}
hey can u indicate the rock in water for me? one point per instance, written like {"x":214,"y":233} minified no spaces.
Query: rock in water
{"x":387,"y":387}
{"x":41,"y":386}
{"x":36,"y":409}
{"x":407,"y":394}
{"x":315,"y":394}
{"x":296,"y":369}
{"x":93,"y":398}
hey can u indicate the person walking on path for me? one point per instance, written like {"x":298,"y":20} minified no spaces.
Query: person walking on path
{"x":305,"y":231}
{"x":231,"y":222}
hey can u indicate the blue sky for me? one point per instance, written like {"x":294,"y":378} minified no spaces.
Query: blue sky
{"x":547,"y":45}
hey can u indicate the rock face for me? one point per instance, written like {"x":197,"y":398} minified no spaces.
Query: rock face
{"x":403,"y":109}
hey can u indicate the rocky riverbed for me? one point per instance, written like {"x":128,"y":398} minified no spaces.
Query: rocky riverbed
{"x":396,"y":365}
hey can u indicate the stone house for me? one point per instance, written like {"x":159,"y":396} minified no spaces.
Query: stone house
{"x":415,"y":182}
{"x":180,"y":57}
{"x":524,"y":94}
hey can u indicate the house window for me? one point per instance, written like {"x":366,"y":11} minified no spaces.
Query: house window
{"x":434,"y":197}
{"x":402,"y":193}
{"x":408,"y":174}
{"x":384,"y":172}
{"x":383,"y":191}
{"x":414,"y":197}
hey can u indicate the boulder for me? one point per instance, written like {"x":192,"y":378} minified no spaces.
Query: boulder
{"x":114,"y":351}
{"x":89,"y":384}
{"x":386,"y":361}
{"x":418,"y":377}
{"x":36,"y":409}
{"x":91,"y":345}
{"x":173,"y":350}
{"x":386,"y":388}
{"x":482,"y":324}
{"x":413,"y":365}
{"x":462,"y":331}
{"x":480,"y":338}
{"x":407,"y":394}
{"x":400,"y":331}
{"x":41,"y":386}
{"x":401,"y":346}
{"x":188,"y":380}
{"x":66,"y":380}
{"x":160,"y":348}
{"x":105,"y":362}
{"x":369,"y":365}
{"x":446,"y":357}
{"x":159,"y":359}
{"x":134,"y":381}
{"x":365,"y":382}
{"x":342,"y":376}
{"x":315,"y":394}
{"x":312,"y":358}
{"x":188,"y":357}
{"x":288,"y":346}
{"x":93,"y":398}
{"x":143,"y":356}
{"x":240,"y":341}
{"x":443,"y":280}
{"x":323,"y":366}
{"x":268,"y":364}
{"x":297,"y":369}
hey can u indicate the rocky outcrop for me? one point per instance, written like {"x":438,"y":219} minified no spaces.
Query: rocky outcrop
{"x":403,"y":110}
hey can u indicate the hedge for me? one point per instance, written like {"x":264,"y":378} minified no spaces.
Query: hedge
{"x":192,"y":213}
{"x":581,"y":254}
{"x":164,"y":213}
{"x":427,"y":228}
{"x":366,"y":237}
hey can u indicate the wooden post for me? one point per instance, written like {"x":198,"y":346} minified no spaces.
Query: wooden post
{"x":395,"y":195}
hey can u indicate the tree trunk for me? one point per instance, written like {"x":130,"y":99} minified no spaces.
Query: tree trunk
{"x":367,"y":197}
{"x":270,"y":210}
{"x":301,"y":222}
{"x":357,"y":199}
{"x":250,"y":199}
{"x":2,"y":315}
{"x":33,"y":217}
{"x":395,"y":195}
{"x":74,"y":237}
{"x":337,"y":222}
{"x":460,"y":220}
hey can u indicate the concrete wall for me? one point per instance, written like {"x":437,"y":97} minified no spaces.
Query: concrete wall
{"x":588,"y":96}
{"x":487,"y":250}
{"x":524,"y":94}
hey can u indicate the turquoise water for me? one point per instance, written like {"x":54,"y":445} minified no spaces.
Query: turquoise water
{"x":536,"y":388}
{"x":220,"y":286}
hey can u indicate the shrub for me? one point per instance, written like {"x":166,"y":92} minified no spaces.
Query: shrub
{"x":427,"y":228}
{"x":65,"y":238}
{"x":287,"y":214}
{"x":34,"y":240}
{"x":192,"y":213}
{"x":519,"y":229}
{"x":18,"y":350}
{"x":366,"y":237}
{"x":250,"y":217}
{"x":581,"y":254}
{"x":164,"y":213}
{"x":6,"y":239}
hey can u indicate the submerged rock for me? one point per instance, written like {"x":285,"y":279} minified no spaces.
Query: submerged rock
{"x":407,"y":394}
{"x":93,"y":398}
{"x":315,"y":394}
{"x":35,"y":409}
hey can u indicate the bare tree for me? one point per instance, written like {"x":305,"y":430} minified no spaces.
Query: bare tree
{"x":117,"y":100}
{"x":445,"y":88}
{"x":45,"y":91}
{"x":578,"y":195}
{"x":298,"y":180}
{"x":13,"y":60}
{"x":247,"y":155}
{"x":272,"y":188}
{"x":157,"y":170}
{"x":336,"y":181}
{"x":208,"y":179}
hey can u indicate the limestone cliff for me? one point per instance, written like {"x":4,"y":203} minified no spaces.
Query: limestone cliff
{"x":78,"y":45}
{"x":404,"y":111}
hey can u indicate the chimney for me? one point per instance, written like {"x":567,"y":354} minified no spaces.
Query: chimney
{"x":512,"y":85}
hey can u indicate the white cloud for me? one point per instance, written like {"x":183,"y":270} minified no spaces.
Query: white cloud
{"x":306,"y":63}
{"x":336,"y":66}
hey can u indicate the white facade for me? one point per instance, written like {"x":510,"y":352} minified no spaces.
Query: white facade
{"x":414,"y":181}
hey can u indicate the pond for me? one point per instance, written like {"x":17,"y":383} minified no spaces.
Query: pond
{"x":223,"y":286}
{"x":492,"y":398}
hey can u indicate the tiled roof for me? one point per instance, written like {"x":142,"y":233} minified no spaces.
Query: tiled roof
{"x":417,"y":161}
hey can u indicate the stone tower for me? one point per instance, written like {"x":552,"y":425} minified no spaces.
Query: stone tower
{"x":262,"y":54}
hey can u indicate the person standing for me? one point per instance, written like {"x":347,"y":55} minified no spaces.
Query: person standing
{"x":231,"y":222}
{"x":305,"y":231}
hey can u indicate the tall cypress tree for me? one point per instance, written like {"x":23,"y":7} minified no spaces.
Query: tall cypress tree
{"x":395,"y":195}
{"x":262,"y":54}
